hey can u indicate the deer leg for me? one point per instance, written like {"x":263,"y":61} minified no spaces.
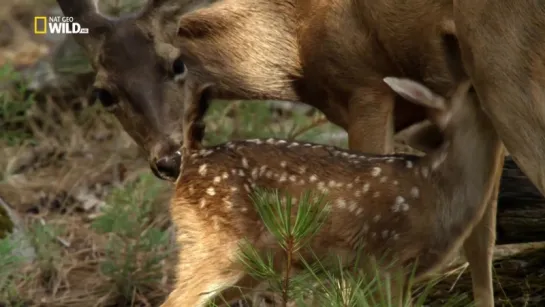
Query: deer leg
{"x":371,"y":126}
{"x":207,"y":263}
{"x":479,"y":249}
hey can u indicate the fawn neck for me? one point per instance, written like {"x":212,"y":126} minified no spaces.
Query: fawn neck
{"x":465,"y":178}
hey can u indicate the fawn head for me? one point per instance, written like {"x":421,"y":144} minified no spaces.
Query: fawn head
{"x":447,"y":114}
{"x":144,"y":80}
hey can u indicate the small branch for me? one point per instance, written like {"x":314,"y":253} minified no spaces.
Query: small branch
{"x":285,"y":290}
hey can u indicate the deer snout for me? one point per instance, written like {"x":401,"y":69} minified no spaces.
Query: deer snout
{"x":167,"y":167}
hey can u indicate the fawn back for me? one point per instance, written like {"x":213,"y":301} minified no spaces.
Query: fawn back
{"x":401,"y":206}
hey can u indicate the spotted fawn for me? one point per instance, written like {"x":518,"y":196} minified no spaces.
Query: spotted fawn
{"x":404,"y":209}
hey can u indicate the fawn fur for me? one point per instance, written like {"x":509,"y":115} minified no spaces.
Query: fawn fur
{"x":400,"y":206}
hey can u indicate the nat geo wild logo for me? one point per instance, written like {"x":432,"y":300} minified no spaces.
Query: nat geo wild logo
{"x":57,"y":25}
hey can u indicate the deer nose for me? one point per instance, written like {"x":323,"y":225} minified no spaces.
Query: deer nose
{"x":168,"y":168}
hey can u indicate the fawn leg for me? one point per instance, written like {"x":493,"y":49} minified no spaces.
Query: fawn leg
{"x":479,"y":249}
{"x":201,"y":275}
{"x":371,"y":126}
{"x":207,"y":263}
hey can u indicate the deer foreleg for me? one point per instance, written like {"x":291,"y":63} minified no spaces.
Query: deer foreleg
{"x":479,"y":249}
{"x":371,"y":127}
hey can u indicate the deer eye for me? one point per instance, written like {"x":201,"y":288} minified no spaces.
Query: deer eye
{"x":179,"y":69}
{"x":105,"y":97}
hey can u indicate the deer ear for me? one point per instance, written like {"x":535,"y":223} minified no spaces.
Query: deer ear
{"x":203,"y":22}
{"x":415,"y":92}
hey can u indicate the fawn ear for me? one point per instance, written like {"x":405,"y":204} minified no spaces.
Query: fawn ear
{"x":423,"y":136}
{"x":416,"y":92}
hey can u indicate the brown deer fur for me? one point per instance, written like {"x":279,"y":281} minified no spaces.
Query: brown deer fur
{"x":401,"y":207}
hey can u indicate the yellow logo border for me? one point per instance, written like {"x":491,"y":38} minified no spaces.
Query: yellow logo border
{"x":36,"y":31}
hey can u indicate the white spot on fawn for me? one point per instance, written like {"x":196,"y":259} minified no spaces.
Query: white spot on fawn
{"x":390,"y":160}
{"x":234,"y":189}
{"x":210,"y":191}
{"x":404,"y":207}
{"x":353,"y":206}
{"x":359,"y":211}
{"x":357,"y":193}
{"x":376,"y":194}
{"x":302,"y":170}
{"x":425,"y":172}
{"x":350,"y":186}
{"x":270,"y":141}
{"x":255,"y":173}
{"x":384,"y":234}
{"x":332,"y":183}
{"x":376,"y":218}
{"x":398,"y":205}
{"x":202,"y":203}
{"x":255,"y":141}
{"x":283,"y":177}
{"x":281,"y":142}
{"x":228,"y":203}
{"x":293,"y":178}
{"x":217,"y":179}
{"x":365,"y":227}
{"x":293,"y":144}
{"x":366,"y":187}
{"x":383,"y":179}
{"x":202,"y":169}
{"x":224,"y":175}
{"x":396,"y":236}
{"x":283,"y":164}
{"x":247,"y":188}
{"x":409,"y":164}
{"x":415,"y":192}
{"x":376,"y":171}
{"x":321,"y":187}
{"x":245,"y":163}
{"x":269,"y":174}
{"x":357,"y":180}
{"x":341,"y":203}
{"x":262,"y":170}
{"x":241,"y":173}
{"x":313,"y":178}
{"x":395,"y":182}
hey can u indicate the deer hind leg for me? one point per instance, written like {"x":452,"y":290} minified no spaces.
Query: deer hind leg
{"x":479,"y":249}
{"x":371,"y":127}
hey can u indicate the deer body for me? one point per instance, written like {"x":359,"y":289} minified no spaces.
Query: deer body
{"x":402,"y":206}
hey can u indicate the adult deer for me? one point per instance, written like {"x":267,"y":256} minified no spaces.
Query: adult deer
{"x":401,"y":208}
{"x":331,"y":54}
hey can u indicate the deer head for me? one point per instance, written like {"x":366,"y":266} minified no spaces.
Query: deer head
{"x":137,"y":73}
{"x":144,"y":80}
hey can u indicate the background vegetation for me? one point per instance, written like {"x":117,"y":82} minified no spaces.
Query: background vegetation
{"x":82,"y":220}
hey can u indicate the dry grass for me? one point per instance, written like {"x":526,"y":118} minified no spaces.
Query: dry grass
{"x":98,"y":219}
